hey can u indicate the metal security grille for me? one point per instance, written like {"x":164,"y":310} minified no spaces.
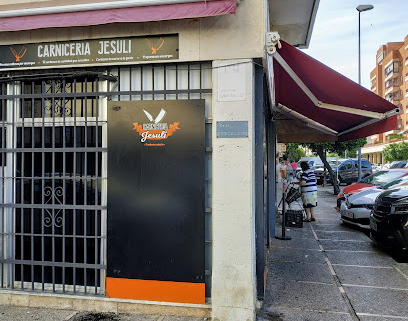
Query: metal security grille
{"x":53,"y":174}
{"x":53,"y":182}
{"x":170,"y":82}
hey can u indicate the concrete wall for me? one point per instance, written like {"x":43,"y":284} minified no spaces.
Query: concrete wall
{"x":233,"y":280}
{"x":240,"y":35}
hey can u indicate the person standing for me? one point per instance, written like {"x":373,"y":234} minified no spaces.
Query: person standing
{"x":289,"y":172}
{"x":294,"y":167}
{"x":308,"y":189}
{"x":283,"y":170}
{"x":278,"y":172}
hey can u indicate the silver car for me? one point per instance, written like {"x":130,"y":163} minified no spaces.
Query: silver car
{"x":357,"y":207}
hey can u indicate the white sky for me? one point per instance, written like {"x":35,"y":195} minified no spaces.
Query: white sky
{"x":334,"y":39}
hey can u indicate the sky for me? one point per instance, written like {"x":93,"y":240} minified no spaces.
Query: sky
{"x":334,"y":39}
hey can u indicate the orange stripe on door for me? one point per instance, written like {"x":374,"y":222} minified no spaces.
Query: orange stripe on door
{"x":149,"y":290}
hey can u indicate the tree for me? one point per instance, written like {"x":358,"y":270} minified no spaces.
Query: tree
{"x":396,"y":151}
{"x":335,"y":147}
{"x":293,"y":152}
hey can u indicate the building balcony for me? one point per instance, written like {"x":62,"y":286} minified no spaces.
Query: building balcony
{"x":391,"y":88}
{"x":391,"y":75}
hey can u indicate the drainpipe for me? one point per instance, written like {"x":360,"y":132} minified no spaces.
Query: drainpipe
{"x":91,"y":7}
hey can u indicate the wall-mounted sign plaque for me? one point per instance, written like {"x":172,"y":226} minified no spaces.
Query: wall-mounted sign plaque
{"x":232,"y":129}
{"x":90,"y":52}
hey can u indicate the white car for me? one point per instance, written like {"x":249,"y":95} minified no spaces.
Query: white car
{"x":357,"y":207}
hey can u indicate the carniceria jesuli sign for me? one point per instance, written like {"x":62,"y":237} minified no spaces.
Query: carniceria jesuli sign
{"x":90,"y":52}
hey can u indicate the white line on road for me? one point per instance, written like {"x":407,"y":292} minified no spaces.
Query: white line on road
{"x":381,"y":315}
{"x":400,"y":272}
{"x":374,"y":287}
{"x":366,"y":266}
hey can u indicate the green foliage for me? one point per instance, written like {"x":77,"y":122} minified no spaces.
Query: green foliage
{"x":333,"y":155}
{"x":338,"y":148}
{"x":396,"y":151}
{"x":395,"y":136}
{"x":293,"y":152}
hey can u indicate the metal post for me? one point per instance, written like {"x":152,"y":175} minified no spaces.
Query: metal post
{"x":359,"y":50}
{"x":283,"y":237}
{"x":272,"y":177}
{"x":360,"y":9}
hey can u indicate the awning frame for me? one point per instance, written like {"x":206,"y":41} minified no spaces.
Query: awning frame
{"x":306,"y":121}
{"x":377,"y":116}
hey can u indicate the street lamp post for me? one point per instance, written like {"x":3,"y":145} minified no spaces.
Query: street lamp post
{"x":360,"y":9}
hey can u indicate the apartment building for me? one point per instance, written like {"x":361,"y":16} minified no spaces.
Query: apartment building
{"x":389,"y":79}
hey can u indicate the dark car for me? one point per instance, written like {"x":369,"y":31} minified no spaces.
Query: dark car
{"x":389,"y":219}
{"x":398,"y":164}
{"x":347,"y":171}
{"x":320,"y":171}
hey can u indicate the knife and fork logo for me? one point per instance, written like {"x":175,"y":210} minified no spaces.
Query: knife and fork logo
{"x":19,"y":55}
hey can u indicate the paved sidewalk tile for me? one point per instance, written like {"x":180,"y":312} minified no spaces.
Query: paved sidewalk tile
{"x":304,"y":295}
{"x":378,"y":301}
{"x":297,"y":255}
{"x":379,"y":277}
{"x":312,"y":272}
{"x":360,"y":258}
{"x":295,"y":243}
{"x":341,"y":235}
{"x":14,"y":313}
{"x":280,"y":314}
{"x":347,"y":245}
{"x":380,"y":318}
{"x":330,"y":226}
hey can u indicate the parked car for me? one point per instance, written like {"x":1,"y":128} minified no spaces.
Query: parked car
{"x":379,"y":178}
{"x":347,"y":171}
{"x":319,"y":171}
{"x":389,"y":219}
{"x":386,"y":166}
{"x":356,"y":208}
{"x":398,"y":164}
{"x":376,"y":168}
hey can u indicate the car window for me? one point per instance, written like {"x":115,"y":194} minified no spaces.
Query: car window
{"x":365,"y":165}
{"x":399,"y":181}
{"x":381,"y":178}
{"x":347,"y":165}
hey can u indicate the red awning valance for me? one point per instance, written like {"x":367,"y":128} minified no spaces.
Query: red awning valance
{"x":314,"y":94}
{"x":132,"y":14}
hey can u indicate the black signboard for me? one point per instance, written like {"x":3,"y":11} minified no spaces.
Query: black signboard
{"x":156,"y":190}
{"x":89,"y":52}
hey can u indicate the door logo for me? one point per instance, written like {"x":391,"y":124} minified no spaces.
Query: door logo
{"x":19,"y":55}
{"x":155,"y":133}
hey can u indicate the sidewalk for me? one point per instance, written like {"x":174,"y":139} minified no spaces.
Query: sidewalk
{"x":329,"y":271}
{"x":16,"y":313}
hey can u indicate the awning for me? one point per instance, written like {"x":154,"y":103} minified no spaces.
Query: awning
{"x":315,"y":103}
{"x":68,"y":18}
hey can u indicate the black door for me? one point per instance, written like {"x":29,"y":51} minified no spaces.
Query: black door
{"x":156,"y":187}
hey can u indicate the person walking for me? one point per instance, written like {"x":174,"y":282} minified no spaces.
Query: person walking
{"x":308,"y":189}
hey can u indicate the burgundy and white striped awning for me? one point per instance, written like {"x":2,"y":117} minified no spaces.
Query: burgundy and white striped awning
{"x":110,"y":12}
